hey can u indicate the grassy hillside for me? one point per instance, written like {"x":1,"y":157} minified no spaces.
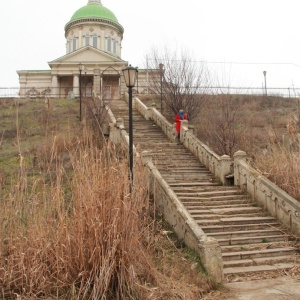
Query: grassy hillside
{"x":69,"y":226}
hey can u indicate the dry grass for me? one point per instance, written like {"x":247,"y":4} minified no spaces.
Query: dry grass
{"x":71,"y":229}
{"x":281,"y":164}
{"x":267,"y":129}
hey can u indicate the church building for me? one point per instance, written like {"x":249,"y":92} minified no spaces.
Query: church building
{"x":92,"y":60}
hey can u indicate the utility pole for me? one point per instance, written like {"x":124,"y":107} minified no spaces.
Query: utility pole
{"x":265,"y":75}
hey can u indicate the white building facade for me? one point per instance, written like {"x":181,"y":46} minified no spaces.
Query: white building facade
{"x":94,"y":40}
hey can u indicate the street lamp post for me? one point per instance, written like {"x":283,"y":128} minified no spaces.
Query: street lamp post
{"x":129,"y":74}
{"x":265,"y":75}
{"x":80,"y":66}
{"x":137,"y":80}
{"x":161,"y":70}
{"x":85,"y":82}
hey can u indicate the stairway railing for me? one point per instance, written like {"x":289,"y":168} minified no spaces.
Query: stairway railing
{"x":266,"y":194}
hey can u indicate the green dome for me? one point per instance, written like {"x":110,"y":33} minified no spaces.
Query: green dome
{"x":94,"y":10}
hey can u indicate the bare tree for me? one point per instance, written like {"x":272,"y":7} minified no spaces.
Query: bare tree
{"x":180,"y":80}
{"x":218,"y":126}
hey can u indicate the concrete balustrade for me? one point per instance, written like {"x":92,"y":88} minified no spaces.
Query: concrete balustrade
{"x":179,"y":218}
{"x":267,"y":194}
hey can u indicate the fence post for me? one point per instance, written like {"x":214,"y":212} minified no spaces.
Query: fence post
{"x":237,"y":156}
{"x":226,"y":163}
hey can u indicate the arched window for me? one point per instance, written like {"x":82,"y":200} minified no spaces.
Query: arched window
{"x":114,"y":46}
{"x":95,"y":40}
{"x":74,"y":44}
{"x":69,"y":45}
{"x":109,"y":44}
{"x":87,"y":40}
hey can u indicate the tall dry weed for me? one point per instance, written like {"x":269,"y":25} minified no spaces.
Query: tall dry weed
{"x":77,"y":236}
{"x":281,"y":162}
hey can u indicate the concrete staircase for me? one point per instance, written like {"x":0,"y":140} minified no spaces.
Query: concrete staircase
{"x":252,"y":242}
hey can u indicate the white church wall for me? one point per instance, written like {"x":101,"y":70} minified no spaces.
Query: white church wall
{"x":95,"y":35}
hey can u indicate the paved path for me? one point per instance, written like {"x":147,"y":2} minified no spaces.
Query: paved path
{"x":282,"y":288}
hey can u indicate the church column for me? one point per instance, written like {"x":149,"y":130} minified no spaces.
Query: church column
{"x":76,"y":85}
{"x":55,"y":87}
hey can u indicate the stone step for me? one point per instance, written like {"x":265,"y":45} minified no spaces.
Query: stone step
{"x":256,"y":244}
{"x":208,"y":205}
{"x":183,"y":171}
{"x":274,"y":224}
{"x":187,"y":177}
{"x":215,"y":203}
{"x":230,"y":235}
{"x":227,"y":211}
{"x":261,"y":261}
{"x":193,"y":176}
{"x":258,"y":253}
{"x":236,"y":221}
{"x":217,"y":217}
{"x":191,"y":168}
{"x":220,"y":193}
{"x":258,"y":269}
{"x":175,"y":157}
{"x":195,"y":195}
{"x":194,"y":184}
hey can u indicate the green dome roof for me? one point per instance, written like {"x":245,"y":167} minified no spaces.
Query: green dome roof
{"x":96,"y":10}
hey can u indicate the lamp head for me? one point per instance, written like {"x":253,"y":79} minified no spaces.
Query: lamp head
{"x":129,"y":74}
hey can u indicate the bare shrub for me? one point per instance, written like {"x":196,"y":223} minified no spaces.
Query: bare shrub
{"x":183,"y":83}
{"x":218,"y":123}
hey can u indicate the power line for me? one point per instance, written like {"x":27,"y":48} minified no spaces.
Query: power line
{"x":229,"y":62}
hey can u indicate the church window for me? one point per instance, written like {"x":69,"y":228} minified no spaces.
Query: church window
{"x":114,"y":46}
{"x":74,"y":44}
{"x":69,"y":46}
{"x":109,"y":44}
{"x":95,"y":40}
{"x":87,"y":40}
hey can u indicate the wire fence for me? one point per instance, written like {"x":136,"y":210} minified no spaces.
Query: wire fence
{"x":67,"y":92}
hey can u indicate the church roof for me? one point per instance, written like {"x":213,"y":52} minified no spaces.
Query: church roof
{"x":96,"y":10}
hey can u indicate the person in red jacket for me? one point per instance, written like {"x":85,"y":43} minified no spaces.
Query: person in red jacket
{"x":178,"y":118}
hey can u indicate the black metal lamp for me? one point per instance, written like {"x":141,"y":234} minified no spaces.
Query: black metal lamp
{"x":129,"y":74}
{"x":80,"y":66}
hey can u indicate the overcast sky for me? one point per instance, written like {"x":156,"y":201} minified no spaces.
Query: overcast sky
{"x":238,"y":38}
